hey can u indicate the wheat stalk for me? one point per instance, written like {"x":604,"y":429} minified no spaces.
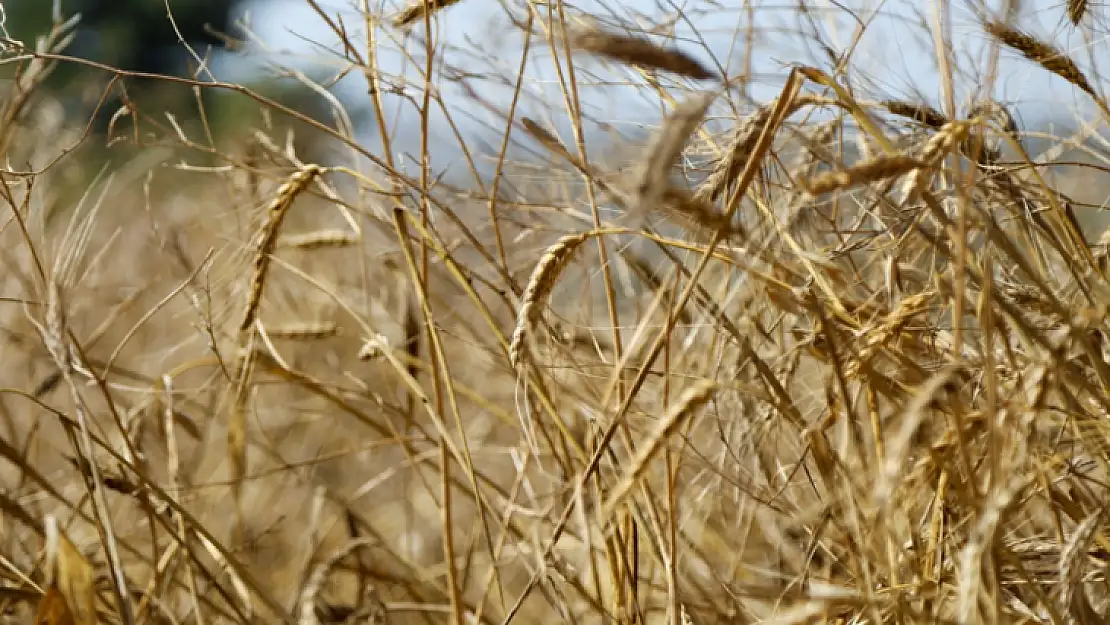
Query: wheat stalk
{"x":303,"y":331}
{"x":693,"y":398}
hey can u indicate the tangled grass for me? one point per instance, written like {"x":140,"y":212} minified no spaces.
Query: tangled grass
{"x":750,"y":375}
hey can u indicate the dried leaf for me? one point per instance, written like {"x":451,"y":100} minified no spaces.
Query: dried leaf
{"x":73,"y":575}
{"x":53,"y":609}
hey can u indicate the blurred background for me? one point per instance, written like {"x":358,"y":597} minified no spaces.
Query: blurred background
{"x":244,"y":40}
{"x":134,"y":35}
{"x":264,"y":43}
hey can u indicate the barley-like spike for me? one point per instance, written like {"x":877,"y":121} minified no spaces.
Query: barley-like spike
{"x":885,"y":331}
{"x":952,"y":135}
{"x":275,"y":214}
{"x":729,"y":167}
{"x":880,"y":168}
{"x":320,"y":239}
{"x":540,"y":285}
{"x":1073,"y":558}
{"x":1041,"y":53}
{"x":417,"y":11}
{"x":922,"y":113}
{"x":698,"y":215}
{"x":303,"y":331}
{"x":641,"y":52}
{"x":1077,"y":9}
{"x":995,"y":111}
{"x":979,"y":541}
{"x":316,"y":581}
{"x":549,"y":141}
{"x":693,"y":398}
{"x":267,"y":240}
{"x":666,"y":146}
{"x":975,"y":146}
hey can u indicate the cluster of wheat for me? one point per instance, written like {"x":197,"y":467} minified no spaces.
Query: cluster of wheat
{"x":747,"y":377}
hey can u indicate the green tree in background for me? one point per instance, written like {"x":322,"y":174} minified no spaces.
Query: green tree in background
{"x":139,"y":36}
{"x":133,"y":35}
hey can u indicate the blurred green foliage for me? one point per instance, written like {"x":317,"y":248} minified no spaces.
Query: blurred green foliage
{"x":139,"y":36}
{"x":133,"y":35}
{"x":129,"y":34}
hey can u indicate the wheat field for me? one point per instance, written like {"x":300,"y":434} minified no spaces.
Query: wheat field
{"x":805,"y":348}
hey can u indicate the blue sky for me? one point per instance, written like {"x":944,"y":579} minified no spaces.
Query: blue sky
{"x":895,"y":54}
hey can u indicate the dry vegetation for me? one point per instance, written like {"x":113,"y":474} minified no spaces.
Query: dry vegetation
{"x":835,"y":356}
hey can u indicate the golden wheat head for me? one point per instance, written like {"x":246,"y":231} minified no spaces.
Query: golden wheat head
{"x":871,"y":170}
{"x":1041,"y":53}
{"x":320,"y":239}
{"x":1077,"y":9}
{"x":639,"y":52}
{"x":264,"y":248}
{"x":665,"y":148}
{"x":417,"y":11}
{"x":539,"y":288}
{"x":744,"y":141}
{"x":917,"y":111}
{"x":268,"y":235}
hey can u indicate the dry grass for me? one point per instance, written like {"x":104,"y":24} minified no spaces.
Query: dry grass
{"x":827,"y":356}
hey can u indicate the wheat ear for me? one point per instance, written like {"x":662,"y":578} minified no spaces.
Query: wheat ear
{"x":746,"y":137}
{"x":639,"y":51}
{"x":264,"y":247}
{"x":539,"y":288}
{"x":1041,"y":53}
{"x":1073,"y":558}
{"x":1076,"y":10}
{"x":319,"y":239}
{"x":693,"y":398}
{"x":917,"y":111}
{"x":417,"y":11}
{"x":665,"y":148}
{"x":268,"y":236}
{"x":871,"y":170}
